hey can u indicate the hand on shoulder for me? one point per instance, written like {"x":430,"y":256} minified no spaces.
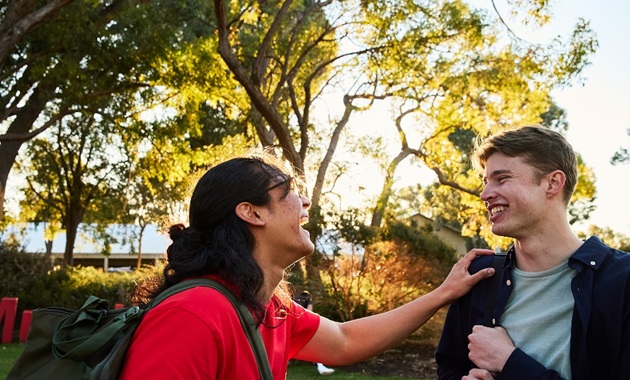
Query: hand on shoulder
{"x":459,"y":281}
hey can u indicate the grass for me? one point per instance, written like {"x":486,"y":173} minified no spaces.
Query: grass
{"x":300,"y":371}
{"x":306,"y":371}
{"x":8,"y":355}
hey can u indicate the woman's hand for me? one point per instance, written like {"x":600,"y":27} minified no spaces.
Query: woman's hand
{"x":459,"y":281}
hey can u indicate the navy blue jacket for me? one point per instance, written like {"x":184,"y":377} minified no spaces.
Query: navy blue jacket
{"x":600,"y":330}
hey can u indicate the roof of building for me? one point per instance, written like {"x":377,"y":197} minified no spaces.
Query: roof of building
{"x":32,"y":238}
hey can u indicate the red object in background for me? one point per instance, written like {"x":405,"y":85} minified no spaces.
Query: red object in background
{"x":8,"y":309}
{"x":25,"y":325}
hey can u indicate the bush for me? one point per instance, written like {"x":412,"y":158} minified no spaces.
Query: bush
{"x":396,"y":266}
{"x":32,"y":279}
{"x":71,"y":286}
{"x":20,"y":270}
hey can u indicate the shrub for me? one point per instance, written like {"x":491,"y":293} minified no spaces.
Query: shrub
{"x":20,"y":270}
{"x":32,"y":279}
{"x":401,"y":264}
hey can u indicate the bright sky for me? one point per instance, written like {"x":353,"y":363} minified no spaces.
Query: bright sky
{"x":599,"y":111}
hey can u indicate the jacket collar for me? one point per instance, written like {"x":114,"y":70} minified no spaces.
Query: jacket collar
{"x":591,"y":254}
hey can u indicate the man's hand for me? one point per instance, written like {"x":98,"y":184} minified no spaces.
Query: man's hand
{"x":479,"y":374}
{"x":489,"y":347}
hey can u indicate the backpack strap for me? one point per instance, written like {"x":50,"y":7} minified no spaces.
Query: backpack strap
{"x":494,"y":283}
{"x":245,"y":316}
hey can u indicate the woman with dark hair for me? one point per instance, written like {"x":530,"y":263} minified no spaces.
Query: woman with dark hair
{"x":246,"y":218}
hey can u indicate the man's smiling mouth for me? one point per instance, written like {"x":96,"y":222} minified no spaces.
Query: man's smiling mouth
{"x":496,"y":210}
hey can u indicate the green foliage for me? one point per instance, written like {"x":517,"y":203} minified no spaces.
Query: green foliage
{"x":421,"y":241}
{"x":31,"y":278}
{"x":609,"y":237}
{"x":350,"y":228}
{"x":106,"y":58}
{"x":622,"y":155}
{"x":380,"y":269}
{"x":451,"y":75}
{"x":76,"y":176}
{"x":20,"y":271}
{"x":581,"y":205}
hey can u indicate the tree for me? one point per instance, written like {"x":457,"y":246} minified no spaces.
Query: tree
{"x":21,"y":17}
{"x":476,"y":86}
{"x":86,"y":52}
{"x":608,"y":236}
{"x":147,"y":208}
{"x":75,"y":177}
{"x":444,"y":63}
{"x":622,"y":155}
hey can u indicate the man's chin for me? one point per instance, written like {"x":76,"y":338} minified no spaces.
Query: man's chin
{"x":497,"y":230}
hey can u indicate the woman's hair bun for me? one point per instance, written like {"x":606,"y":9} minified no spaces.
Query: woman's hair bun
{"x":176,"y":231}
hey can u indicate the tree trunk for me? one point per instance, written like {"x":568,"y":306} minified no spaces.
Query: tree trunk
{"x":48,"y":244}
{"x":334,"y":140}
{"x":71,"y":236}
{"x":74,"y":217}
{"x":262,"y":104}
{"x":10,"y":149}
{"x":16,"y":23}
{"x":383,"y":199}
{"x":139,"y":262}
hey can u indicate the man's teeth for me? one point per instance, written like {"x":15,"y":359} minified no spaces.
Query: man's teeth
{"x":497,"y":210}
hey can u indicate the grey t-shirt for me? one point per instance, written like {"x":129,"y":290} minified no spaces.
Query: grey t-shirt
{"x":538,"y":316}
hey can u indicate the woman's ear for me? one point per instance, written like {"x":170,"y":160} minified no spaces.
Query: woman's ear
{"x":247,"y":212}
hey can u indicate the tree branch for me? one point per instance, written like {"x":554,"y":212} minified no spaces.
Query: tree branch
{"x":27,"y":136}
{"x":258,"y":99}
{"x":442,"y":179}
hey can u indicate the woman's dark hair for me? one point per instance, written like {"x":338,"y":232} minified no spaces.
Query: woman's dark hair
{"x":217,"y":241}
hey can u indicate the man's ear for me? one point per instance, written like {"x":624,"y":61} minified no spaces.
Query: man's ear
{"x":555,"y":182}
{"x":247,"y":212}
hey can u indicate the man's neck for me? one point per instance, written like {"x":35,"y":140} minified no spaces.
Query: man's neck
{"x":539,"y":253}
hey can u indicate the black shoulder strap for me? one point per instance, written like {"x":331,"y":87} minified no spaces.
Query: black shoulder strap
{"x":247,"y":320}
{"x":494,"y":283}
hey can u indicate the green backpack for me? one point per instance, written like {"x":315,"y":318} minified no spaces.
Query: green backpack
{"x":91,"y":343}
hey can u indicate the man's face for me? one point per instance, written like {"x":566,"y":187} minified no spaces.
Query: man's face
{"x":514,"y":195}
{"x":287,"y":213}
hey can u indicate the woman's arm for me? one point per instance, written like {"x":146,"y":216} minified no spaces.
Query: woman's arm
{"x":349,"y":342}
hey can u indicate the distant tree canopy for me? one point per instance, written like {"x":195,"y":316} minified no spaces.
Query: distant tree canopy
{"x":613,"y":239}
{"x":188,"y":83}
{"x":622,"y":155}
{"x":76,"y":177}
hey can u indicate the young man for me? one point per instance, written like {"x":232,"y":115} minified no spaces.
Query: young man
{"x":246,"y":217}
{"x":563,"y":305}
